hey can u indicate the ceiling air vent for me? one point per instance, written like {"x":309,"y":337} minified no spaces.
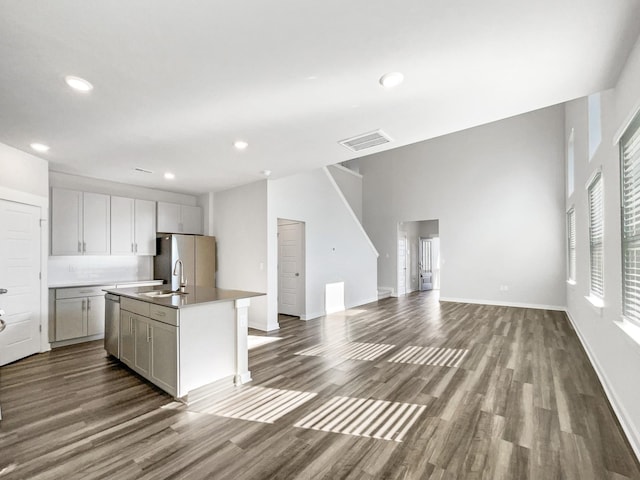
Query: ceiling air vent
{"x":366,"y":140}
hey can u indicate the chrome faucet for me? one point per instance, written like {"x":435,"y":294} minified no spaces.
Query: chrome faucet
{"x":183,"y":281}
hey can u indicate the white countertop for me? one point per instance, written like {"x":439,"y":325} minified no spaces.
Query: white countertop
{"x":90,"y":283}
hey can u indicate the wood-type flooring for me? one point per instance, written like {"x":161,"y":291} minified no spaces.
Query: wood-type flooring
{"x":485,"y":392}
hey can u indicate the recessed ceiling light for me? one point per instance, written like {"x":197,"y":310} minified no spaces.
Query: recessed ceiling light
{"x":266,"y":173}
{"x":77,"y":83}
{"x":240,"y":144}
{"x":392,"y":79}
{"x":169,"y":176}
{"x":40,"y":147}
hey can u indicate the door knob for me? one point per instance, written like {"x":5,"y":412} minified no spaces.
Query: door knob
{"x":2,"y":325}
{"x":3,"y":290}
{"x":297,"y":274}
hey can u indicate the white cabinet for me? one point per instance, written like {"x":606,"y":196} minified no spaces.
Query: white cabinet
{"x":192,"y":221}
{"x":80,"y":223}
{"x":174,"y":218}
{"x":133,"y":226}
{"x":149,"y":346}
{"x":70,"y":318}
{"x":66,"y":222}
{"x":95,"y":315}
{"x":164,"y":356}
{"x":127,"y":338}
{"x":142,"y":348}
{"x":79,"y":312}
{"x":144,"y":228}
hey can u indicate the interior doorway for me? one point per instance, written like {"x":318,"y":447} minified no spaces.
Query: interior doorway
{"x":291,"y":267}
{"x":403,"y":261}
{"x":418,"y":256}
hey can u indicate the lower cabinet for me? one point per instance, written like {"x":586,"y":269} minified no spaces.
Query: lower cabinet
{"x":150,"y":347}
{"x":78,"y":313}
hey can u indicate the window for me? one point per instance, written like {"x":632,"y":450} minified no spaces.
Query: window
{"x":571,"y":245}
{"x":425,"y":261}
{"x":596,"y":234}
{"x":630,"y":193}
{"x":570,"y":165}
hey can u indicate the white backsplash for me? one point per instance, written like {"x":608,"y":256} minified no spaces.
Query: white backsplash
{"x":74,"y":269}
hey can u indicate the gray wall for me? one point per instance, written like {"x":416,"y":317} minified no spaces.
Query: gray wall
{"x":23,"y":172}
{"x":612,"y":344}
{"x":498,"y":192}
{"x":350,"y":184}
{"x":240,"y":228}
{"x":336,"y":247}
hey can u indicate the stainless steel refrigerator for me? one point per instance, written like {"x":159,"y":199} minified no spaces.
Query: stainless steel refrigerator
{"x":198,"y":255}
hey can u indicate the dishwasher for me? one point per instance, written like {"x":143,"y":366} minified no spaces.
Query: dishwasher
{"x":112,"y":325}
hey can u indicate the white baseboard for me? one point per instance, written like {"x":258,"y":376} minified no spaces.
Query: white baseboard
{"x":633,"y":436}
{"x":504,"y":304}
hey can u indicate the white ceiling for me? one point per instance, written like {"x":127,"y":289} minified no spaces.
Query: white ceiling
{"x":177,"y":82}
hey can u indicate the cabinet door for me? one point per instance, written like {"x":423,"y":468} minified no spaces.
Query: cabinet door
{"x":191,"y":220}
{"x":145,"y":227}
{"x":164,"y":356}
{"x":66,"y":222}
{"x":96,"y":224}
{"x":70,"y":318}
{"x":95,"y":315}
{"x":142,"y":336}
{"x":168,"y":217}
{"x":122,"y":226}
{"x":127,"y":342}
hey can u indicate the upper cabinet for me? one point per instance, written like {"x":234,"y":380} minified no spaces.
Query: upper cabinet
{"x":174,"y":218}
{"x":80,"y":223}
{"x":133,"y":226}
{"x":84,"y":223}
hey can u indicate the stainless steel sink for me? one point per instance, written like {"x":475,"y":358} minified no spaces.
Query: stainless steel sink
{"x":162,"y":293}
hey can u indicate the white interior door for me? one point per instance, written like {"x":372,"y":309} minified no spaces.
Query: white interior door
{"x":20,"y":277}
{"x":402,"y":264}
{"x":290,"y":268}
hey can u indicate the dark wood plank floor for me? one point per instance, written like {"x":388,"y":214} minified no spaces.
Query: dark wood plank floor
{"x":523,"y":403}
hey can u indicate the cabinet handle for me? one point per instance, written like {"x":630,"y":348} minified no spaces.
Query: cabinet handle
{"x":88,"y":304}
{"x":136,"y":250}
{"x":130,"y":325}
{"x":83,"y":305}
{"x":80,"y":247}
{"x":132,"y":250}
{"x":86,"y":291}
{"x":84,"y":247}
{"x":160,"y":314}
{"x":148,"y":334}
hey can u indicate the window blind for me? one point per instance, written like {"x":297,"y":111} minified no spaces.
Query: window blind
{"x":571,"y":244}
{"x":630,"y":192}
{"x":596,"y":234}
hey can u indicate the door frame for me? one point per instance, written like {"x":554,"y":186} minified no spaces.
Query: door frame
{"x":407,"y":267}
{"x":302,"y":283}
{"x":42,"y":203}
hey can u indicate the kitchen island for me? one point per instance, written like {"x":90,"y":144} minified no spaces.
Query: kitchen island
{"x":184,"y":341}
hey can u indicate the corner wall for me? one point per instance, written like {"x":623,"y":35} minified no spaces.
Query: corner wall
{"x":240,"y":218}
{"x":613,"y":352}
{"x":336,"y":247}
{"x":498,"y":191}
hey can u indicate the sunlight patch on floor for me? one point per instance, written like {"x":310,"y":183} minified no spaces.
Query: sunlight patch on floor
{"x":254,"y":341}
{"x":363,"y":417}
